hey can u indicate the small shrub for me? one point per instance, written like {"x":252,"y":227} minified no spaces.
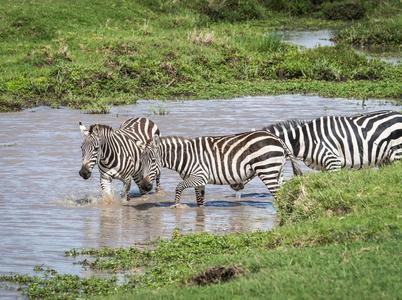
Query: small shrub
{"x":231,"y":10}
{"x":269,"y":42}
{"x":348,"y":10}
{"x":296,"y":7}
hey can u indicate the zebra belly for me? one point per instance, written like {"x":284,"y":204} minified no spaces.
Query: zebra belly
{"x":228,"y":178}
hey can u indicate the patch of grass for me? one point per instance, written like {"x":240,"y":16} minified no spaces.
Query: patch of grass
{"x":380,"y":33}
{"x":10,"y":104}
{"x":97,"y":108}
{"x":268,"y":42}
{"x":217,"y":275}
{"x":361,"y":269}
{"x":63,"y":286}
{"x":48,"y":56}
{"x":333,"y":194}
{"x":80,"y":53}
{"x":335,"y":227}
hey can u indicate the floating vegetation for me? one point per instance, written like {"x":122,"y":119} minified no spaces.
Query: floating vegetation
{"x":159,"y":110}
{"x":8,"y":145}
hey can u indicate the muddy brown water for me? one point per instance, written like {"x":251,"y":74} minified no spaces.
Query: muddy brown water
{"x":46,"y":208}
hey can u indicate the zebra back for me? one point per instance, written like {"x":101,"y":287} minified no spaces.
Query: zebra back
{"x":332,"y":142}
{"x":142,"y":129}
{"x":280,"y":127}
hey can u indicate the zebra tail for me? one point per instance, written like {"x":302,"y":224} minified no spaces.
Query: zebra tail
{"x":295,"y":166}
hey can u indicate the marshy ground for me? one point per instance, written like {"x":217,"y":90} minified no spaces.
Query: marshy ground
{"x":87,"y":55}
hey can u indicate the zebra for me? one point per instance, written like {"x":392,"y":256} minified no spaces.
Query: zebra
{"x":335,"y":142}
{"x":116,"y":153}
{"x":230,"y":159}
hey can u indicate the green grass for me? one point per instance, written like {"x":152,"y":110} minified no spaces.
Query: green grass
{"x":341,"y":238}
{"x":375,"y":34}
{"x":85,"y":54}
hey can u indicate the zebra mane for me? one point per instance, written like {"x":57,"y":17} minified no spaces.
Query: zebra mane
{"x":96,"y":128}
{"x":285,"y":125}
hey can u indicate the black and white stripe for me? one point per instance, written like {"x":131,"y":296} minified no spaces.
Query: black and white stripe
{"x":116,"y":152}
{"x":231,"y":160}
{"x":335,"y":142}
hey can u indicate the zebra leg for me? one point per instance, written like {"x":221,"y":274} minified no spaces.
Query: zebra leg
{"x":106,"y":186}
{"x":158,"y":183}
{"x":191,"y":181}
{"x":394,"y":154}
{"x":137,"y":179}
{"x":271,"y":177}
{"x":200,"y":195}
{"x":126,"y":189}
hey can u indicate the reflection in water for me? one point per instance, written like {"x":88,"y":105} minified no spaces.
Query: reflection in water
{"x":308,"y":39}
{"x":46,"y":208}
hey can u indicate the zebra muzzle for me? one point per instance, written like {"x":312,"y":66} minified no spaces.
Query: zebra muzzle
{"x":146,"y":184}
{"x":84,"y":173}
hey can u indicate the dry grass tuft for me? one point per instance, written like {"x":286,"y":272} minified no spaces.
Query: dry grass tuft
{"x":202,"y":38}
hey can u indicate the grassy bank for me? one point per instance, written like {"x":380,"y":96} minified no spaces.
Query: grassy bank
{"x":340,"y":238}
{"x":88,"y":55}
{"x":380,"y":34}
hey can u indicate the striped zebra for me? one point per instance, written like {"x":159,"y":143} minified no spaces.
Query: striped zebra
{"x":116,"y":153}
{"x":335,"y":142}
{"x":220,"y":160}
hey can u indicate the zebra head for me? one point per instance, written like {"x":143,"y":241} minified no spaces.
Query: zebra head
{"x":150,"y":162}
{"x":89,"y":148}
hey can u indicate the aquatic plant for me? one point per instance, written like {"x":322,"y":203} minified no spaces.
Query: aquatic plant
{"x":159,"y":110}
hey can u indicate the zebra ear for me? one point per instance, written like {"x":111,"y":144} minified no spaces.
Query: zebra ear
{"x":156,"y":140}
{"x":83,"y":129}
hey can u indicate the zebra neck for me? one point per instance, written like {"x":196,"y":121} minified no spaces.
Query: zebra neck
{"x":106,"y":144}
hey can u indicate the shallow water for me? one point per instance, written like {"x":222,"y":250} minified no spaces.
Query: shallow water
{"x":319,"y":38}
{"x":308,"y":39}
{"x":390,"y":59}
{"x":46,"y":208}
